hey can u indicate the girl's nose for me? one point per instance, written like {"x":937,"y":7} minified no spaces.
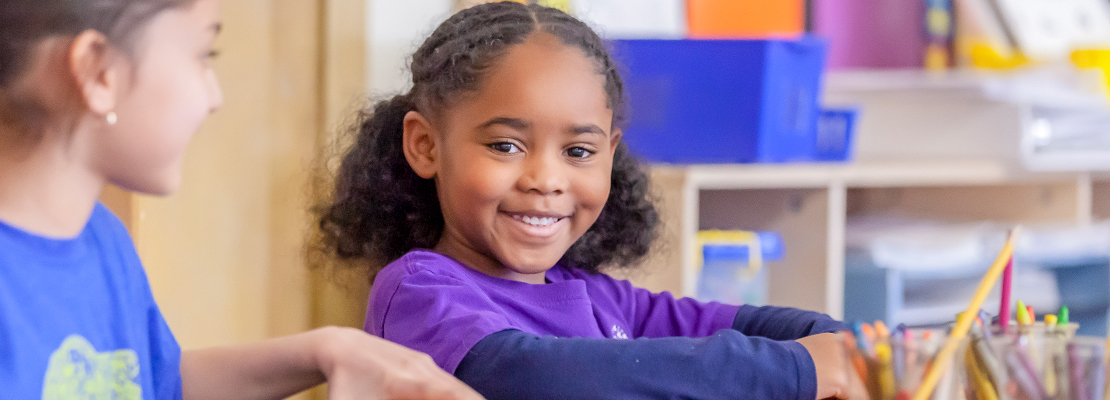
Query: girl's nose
{"x":545,"y":175}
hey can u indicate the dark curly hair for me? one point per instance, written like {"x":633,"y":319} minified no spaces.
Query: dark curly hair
{"x":381,"y":209}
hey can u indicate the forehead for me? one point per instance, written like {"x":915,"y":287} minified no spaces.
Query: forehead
{"x":542,"y":74}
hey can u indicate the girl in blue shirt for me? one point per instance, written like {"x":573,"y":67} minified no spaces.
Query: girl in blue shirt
{"x":94,"y":92}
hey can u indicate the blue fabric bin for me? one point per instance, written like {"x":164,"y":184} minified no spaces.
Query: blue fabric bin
{"x":723,"y":101}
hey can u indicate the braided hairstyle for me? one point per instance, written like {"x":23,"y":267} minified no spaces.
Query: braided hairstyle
{"x":381,"y":209}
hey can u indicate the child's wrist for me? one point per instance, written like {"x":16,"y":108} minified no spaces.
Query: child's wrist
{"x":327,"y":347}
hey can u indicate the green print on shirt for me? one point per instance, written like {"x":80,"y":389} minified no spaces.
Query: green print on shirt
{"x":77,"y":371}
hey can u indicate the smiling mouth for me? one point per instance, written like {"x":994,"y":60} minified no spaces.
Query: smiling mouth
{"x":537,"y":221}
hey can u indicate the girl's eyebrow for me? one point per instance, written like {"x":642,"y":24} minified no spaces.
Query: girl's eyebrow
{"x":591,"y":128}
{"x":519,"y":124}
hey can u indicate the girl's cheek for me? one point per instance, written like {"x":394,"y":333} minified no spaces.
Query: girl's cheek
{"x":486,"y":180}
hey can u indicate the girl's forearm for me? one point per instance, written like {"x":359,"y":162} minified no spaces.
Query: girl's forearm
{"x":270,"y":369}
{"x":513,"y":364}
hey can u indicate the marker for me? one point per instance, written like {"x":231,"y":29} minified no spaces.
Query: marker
{"x":986,"y":327}
{"x":898,"y":345}
{"x":1050,"y":354}
{"x":1063,"y":315}
{"x":913,"y":371}
{"x":887,"y":385}
{"x":869,"y":332}
{"x":1022,"y":314}
{"x":881,"y":330}
{"x":1075,"y":372}
{"x":1096,"y":372}
{"x":869,"y":335}
{"x":1025,"y":329}
{"x":1059,"y":363}
{"x":1105,"y":359}
{"x":861,"y":338}
{"x":978,"y":380}
{"x":858,"y":362}
{"x":1004,"y":307}
{"x":1025,"y":374}
{"x":990,"y":367}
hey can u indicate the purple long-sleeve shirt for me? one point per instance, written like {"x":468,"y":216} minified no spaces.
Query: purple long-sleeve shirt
{"x":434,"y":304}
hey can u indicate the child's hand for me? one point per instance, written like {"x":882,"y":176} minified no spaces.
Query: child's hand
{"x":835,"y":379}
{"x":361,"y":366}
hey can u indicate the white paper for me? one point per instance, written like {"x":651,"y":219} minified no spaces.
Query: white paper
{"x":1051,"y":29}
{"x":634,"y":19}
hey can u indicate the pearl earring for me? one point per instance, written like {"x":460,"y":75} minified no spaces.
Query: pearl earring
{"x":111,"y":117}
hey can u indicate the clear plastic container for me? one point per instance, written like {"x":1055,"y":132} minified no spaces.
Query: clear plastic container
{"x":728,"y":272}
{"x":1024,"y":363}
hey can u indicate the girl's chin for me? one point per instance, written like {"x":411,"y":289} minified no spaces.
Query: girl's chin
{"x":156,"y":186}
{"x":532,"y":269}
{"x":532,"y":265}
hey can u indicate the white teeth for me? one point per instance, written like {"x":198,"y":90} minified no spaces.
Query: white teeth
{"x":536,"y":221}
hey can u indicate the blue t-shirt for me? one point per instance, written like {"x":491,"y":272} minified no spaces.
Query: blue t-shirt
{"x":77,"y":318}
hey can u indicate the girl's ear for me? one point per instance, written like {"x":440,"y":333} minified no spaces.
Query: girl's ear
{"x":420,"y":145}
{"x":614,"y":140}
{"x":97,"y":76}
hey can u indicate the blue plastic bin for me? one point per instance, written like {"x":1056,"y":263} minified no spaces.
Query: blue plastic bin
{"x":723,"y":101}
{"x":835,"y":134}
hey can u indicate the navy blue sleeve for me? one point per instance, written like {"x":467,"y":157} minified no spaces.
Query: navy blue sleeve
{"x":782,"y":323}
{"x":516,"y":365}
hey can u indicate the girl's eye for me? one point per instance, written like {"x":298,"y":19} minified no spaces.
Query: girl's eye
{"x":504,"y":147}
{"x":578,"y":152}
{"x":212,"y":54}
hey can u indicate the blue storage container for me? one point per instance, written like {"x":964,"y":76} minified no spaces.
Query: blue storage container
{"x":835,"y":134}
{"x":723,"y":101}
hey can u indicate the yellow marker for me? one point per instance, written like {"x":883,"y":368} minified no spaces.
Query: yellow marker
{"x":1023,"y":314}
{"x":943,"y":359}
{"x":979,"y":381}
{"x":1049,"y":367}
{"x":887,"y":386}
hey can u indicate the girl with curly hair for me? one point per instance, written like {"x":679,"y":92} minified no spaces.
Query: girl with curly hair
{"x":94,"y":92}
{"x":489,"y":198}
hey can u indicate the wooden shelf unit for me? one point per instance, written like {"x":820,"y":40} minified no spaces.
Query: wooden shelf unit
{"x":809,"y":205}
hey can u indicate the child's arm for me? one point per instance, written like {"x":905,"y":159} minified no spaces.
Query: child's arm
{"x":783,"y":323}
{"x":515,"y":364}
{"x":662,"y":315}
{"x":355,"y":365}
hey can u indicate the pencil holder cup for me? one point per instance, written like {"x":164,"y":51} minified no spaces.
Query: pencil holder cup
{"x":893,"y":368}
{"x":1050,"y":366}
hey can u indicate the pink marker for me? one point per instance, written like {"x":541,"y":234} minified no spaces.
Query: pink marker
{"x":1004,"y":307}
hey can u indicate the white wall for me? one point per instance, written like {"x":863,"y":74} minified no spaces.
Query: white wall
{"x":395,"y":28}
